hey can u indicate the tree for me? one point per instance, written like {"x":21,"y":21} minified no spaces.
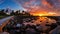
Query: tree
{"x":12,"y":13}
{"x":6,"y":10}
{"x":2,"y":12}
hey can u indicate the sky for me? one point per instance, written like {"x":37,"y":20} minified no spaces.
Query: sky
{"x":9,"y":4}
{"x":33,"y":6}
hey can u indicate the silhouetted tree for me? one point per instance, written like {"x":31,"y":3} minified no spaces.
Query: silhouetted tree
{"x":12,"y":13}
{"x":2,"y":12}
{"x":16,"y":13}
{"x":6,"y":10}
{"x":25,"y":13}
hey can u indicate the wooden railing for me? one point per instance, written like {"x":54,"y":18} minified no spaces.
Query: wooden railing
{"x":4,"y":24}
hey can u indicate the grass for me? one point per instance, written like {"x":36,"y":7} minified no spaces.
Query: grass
{"x":2,"y":17}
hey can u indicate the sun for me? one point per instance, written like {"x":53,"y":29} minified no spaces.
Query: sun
{"x":43,"y":14}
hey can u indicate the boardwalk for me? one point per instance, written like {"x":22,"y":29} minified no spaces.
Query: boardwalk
{"x":3,"y":22}
{"x":4,"y":19}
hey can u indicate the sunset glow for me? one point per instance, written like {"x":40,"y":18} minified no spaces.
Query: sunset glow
{"x":45,"y":14}
{"x":29,"y":16}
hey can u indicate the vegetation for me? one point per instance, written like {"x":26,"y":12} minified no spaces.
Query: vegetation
{"x":3,"y":16}
{"x":3,"y":13}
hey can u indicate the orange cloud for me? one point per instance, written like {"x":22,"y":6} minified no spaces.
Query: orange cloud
{"x":46,"y":3}
{"x":37,"y":9}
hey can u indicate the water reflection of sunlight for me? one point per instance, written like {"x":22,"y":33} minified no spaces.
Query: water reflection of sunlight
{"x":44,"y":20}
{"x":41,"y":20}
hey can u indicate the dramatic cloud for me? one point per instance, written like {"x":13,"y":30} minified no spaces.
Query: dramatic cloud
{"x":40,"y":6}
{"x":48,"y":3}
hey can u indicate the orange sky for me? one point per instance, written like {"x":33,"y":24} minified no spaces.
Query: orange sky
{"x":41,"y":6}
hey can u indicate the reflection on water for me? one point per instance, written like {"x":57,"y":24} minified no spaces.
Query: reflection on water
{"x":44,"y":20}
{"x":41,"y":20}
{"x":31,"y":24}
